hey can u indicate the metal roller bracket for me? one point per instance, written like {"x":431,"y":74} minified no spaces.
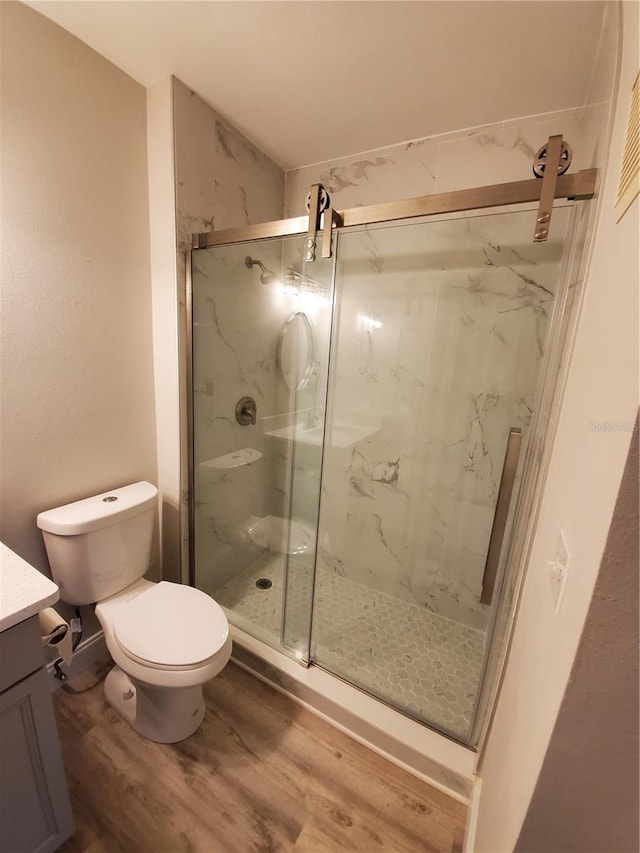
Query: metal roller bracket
{"x":314,"y":223}
{"x":331,"y":220}
{"x":548,"y":192}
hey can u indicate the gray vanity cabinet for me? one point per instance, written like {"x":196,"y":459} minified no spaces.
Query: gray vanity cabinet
{"x":35,"y":814}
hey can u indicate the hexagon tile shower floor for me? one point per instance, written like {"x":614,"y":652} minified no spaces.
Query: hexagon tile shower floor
{"x":428,"y":664}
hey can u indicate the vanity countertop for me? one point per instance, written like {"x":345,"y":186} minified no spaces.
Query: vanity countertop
{"x":24,"y":591}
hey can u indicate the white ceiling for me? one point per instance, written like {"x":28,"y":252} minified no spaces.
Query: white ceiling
{"x":311,"y":81}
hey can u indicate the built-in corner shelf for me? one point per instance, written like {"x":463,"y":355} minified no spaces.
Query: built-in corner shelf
{"x":233,"y":460}
{"x":337,"y":434}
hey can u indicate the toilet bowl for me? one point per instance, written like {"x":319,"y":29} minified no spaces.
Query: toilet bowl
{"x":166,"y":639}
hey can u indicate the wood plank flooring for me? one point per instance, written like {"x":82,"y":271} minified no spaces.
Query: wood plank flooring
{"x":261,"y":774}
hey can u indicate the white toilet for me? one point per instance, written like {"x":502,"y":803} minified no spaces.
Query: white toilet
{"x":165,"y":638}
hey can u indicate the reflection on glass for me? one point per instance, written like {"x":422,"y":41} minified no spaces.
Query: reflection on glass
{"x":295,"y":351}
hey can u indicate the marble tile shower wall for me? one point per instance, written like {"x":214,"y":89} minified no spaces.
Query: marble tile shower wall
{"x":470,"y":158}
{"x":406,"y":517}
{"x":451,"y":364}
{"x":223,"y":181}
{"x":235,"y":323}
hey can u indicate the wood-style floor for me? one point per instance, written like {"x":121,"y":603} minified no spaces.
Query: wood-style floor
{"x":261,"y":774}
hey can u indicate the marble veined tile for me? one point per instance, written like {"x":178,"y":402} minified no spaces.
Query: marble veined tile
{"x":467,"y":158}
{"x":439,"y":336}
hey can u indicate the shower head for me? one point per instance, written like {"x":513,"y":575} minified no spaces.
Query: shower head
{"x":266,"y":276}
{"x":294,"y":283}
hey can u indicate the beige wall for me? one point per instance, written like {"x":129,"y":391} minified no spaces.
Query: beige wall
{"x":579,"y":497}
{"x":595,"y":739}
{"x":77,"y":369}
{"x":162,"y":223}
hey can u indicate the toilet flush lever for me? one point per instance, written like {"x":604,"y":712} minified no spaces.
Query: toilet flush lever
{"x":246,"y":411}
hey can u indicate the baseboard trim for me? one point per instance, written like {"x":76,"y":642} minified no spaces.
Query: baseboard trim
{"x":88,"y":652}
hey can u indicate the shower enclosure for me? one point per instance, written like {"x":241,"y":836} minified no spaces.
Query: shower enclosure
{"x":360,"y":432}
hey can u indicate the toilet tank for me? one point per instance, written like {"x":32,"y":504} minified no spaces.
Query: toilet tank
{"x":100,"y":545}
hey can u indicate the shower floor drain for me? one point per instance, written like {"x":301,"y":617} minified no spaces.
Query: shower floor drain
{"x":263,"y":583}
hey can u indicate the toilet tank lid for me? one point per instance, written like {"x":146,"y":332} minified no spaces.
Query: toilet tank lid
{"x":99,"y":511}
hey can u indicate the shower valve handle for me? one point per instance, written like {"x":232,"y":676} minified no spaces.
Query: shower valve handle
{"x":246,"y":411}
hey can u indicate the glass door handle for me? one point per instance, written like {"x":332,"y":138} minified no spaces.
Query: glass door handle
{"x":503,"y":502}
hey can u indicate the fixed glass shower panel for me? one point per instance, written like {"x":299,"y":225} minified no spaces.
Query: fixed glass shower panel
{"x":439,"y":334}
{"x":261,"y":323}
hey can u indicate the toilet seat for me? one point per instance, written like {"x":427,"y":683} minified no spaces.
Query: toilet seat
{"x":171,"y":626}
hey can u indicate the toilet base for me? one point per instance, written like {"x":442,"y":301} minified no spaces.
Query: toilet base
{"x":161,"y":714}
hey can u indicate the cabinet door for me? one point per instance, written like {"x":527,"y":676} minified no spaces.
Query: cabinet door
{"x":35,"y":814}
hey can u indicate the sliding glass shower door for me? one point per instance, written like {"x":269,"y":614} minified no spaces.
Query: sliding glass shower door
{"x":439,"y":333}
{"x":261,"y":323}
{"x":357,"y":454}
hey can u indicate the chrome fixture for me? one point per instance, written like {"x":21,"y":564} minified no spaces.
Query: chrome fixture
{"x":246,"y":411}
{"x":266,"y":276}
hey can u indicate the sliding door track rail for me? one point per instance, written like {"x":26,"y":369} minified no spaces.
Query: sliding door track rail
{"x":577,"y":186}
